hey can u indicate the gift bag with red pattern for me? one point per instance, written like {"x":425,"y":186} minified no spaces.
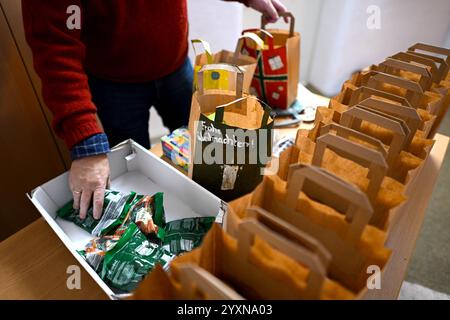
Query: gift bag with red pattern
{"x":277,"y":73}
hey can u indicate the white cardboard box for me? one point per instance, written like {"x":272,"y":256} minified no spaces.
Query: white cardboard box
{"x":133,"y":168}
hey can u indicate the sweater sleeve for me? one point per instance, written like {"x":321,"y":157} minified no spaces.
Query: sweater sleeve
{"x":58,"y":55}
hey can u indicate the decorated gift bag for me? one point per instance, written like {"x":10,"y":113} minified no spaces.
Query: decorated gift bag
{"x":245,"y":62}
{"x":277,"y":74}
{"x":231,"y":135}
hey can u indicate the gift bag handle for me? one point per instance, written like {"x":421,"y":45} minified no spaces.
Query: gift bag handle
{"x":249,"y":228}
{"x":443,"y":65}
{"x":192,"y":277}
{"x":366,"y":92}
{"x":353,"y":117}
{"x":206,"y":48}
{"x":267,"y":37}
{"x":414,"y":91}
{"x":220,"y":110}
{"x":425,"y":79}
{"x":289,"y":15}
{"x":369,"y":158}
{"x":225,"y":67}
{"x":408,"y":114}
{"x":410,"y":57}
{"x":359,"y":210}
{"x":432,"y":49}
{"x":346,"y":132}
{"x":251,"y":36}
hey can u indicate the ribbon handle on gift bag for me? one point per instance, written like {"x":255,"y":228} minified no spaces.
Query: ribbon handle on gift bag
{"x":194,"y":278}
{"x":347,"y":133}
{"x":215,"y":76}
{"x":284,"y":15}
{"x":312,"y":255}
{"x":332,"y":191}
{"x":251,"y":36}
{"x":266,"y":36}
{"x":369,"y":158}
{"x":353,"y":118}
{"x":206,"y":48}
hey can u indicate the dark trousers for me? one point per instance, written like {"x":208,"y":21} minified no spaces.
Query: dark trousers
{"x":124,"y":108}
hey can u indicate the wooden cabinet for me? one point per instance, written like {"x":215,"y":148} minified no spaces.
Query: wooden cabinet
{"x":29,"y":152}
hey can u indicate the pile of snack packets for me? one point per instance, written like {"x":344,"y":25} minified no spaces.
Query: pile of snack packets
{"x":132,"y":237}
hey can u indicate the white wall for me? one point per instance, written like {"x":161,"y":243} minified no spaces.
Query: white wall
{"x":345,"y":44}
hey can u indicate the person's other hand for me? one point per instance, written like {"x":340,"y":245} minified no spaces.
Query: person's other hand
{"x":88,"y":178}
{"x":269,"y":8}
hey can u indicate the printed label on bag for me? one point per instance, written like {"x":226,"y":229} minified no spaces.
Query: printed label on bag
{"x":229,"y":177}
{"x":276,"y":63}
{"x":222,"y":212}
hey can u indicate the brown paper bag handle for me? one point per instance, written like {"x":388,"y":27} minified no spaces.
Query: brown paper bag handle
{"x":414,"y":58}
{"x":367,"y":91}
{"x":408,"y":114}
{"x":359,"y":210}
{"x":414,"y":90}
{"x":443,"y":64}
{"x":220,"y":110}
{"x":369,"y":158}
{"x":225,"y":67}
{"x":249,"y":228}
{"x":394,"y":80}
{"x":432,"y":49}
{"x":290,"y":232}
{"x":346,"y":132}
{"x":425,"y":79}
{"x":193,"y":277}
{"x":353,"y":117}
{"x":284,"y":15}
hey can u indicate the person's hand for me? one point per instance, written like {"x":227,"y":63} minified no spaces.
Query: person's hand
{"x":269,"y":8}
{"x":88,"y":178}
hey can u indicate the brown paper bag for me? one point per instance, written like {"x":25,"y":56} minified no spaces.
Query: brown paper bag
{"x":328,"y":209}
{"x":193,"y":283}
{"x":236,"y":124}
{"x":277,"y":75}
{"x":245,"y":62}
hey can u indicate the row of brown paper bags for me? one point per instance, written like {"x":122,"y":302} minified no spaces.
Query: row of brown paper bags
{"x":309,"y":232}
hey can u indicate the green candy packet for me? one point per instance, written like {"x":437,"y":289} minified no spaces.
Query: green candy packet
{"x":147,"y":212}
{"x":131,"y":259}
{"x":186,"y":234}
{"x":114,"y":204}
